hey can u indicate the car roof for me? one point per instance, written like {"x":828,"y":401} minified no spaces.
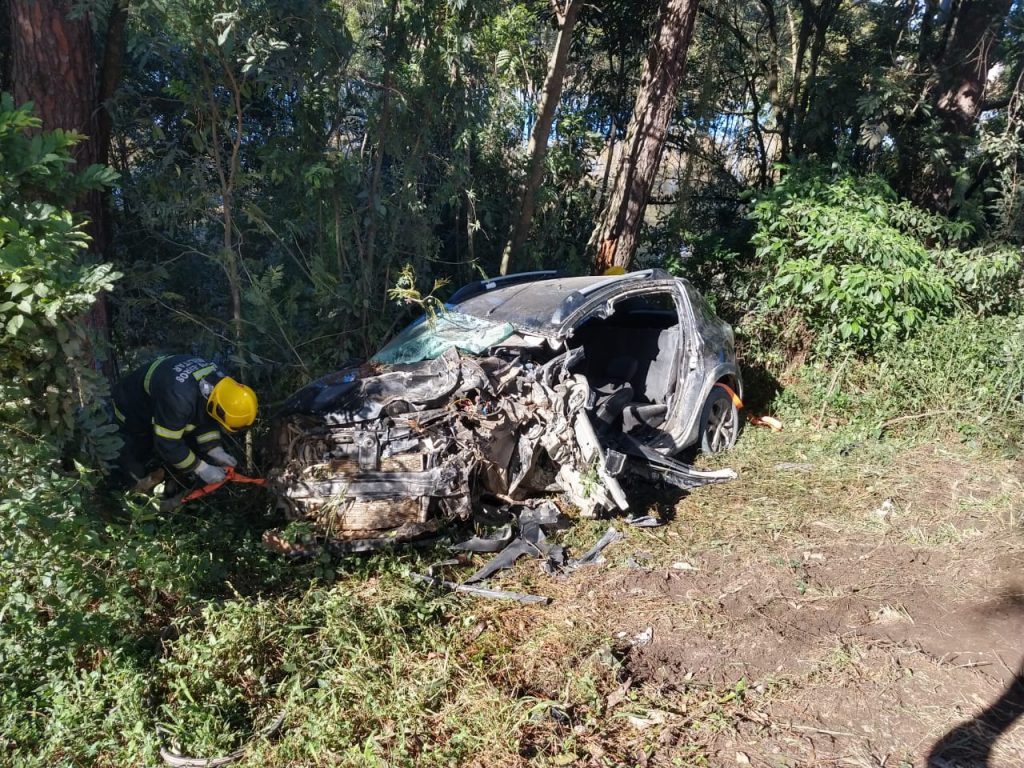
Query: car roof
{"x":542,"y":305}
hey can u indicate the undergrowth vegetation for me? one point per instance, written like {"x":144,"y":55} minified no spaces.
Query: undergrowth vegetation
{"x":961,"y":377}
{"x":848,"y":266}
{"x":46,"y":376}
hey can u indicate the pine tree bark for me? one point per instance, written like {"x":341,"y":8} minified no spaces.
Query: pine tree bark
{"x":53,"y":65}
{"x":538,"y":146}
{"x":645,"y":138}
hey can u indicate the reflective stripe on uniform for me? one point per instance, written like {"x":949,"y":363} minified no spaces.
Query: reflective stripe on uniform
{"x":170,"y":434}
{"x":149,"y":373}
{"x":202,"y":373}
{"x":187,"y":461}
{"x":190,"y":428}
{"x":208,"y":437}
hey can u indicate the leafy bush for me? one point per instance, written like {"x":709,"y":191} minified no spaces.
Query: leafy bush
{"x":988,"y":279}
{"x":856,"y":265}
{"x":846,"y":265}
{"x":45,"y":284}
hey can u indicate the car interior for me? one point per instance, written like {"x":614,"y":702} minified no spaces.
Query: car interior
{"x":632,"y":360}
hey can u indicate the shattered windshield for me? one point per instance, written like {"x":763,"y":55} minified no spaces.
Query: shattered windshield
{"x":429,"y":338}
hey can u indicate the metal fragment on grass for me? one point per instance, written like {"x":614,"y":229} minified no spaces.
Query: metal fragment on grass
{"x":496,"y":542}
{"x":475,"y":591}
{"x":645,"y":521}
{"x":593,"y":555}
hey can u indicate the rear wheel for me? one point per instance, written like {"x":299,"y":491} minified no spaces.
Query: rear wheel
{"x":719,"y":422}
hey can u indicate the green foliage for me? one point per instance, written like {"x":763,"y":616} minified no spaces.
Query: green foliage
{"x":365,"y":142}
{"x":45,"y":283}
{"x":1001,"y":145}
{"x":855,"y":267}
{"x":405,"y":292}
{"x":62,"y":619}
{"x":988,"y":279}
{"x":357,"y":647}
{"x":87,"y":582}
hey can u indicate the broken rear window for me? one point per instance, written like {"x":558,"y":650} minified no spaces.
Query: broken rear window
{"x":429,"y":338}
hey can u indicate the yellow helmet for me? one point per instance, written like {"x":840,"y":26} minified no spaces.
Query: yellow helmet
{"x":232,"y":405}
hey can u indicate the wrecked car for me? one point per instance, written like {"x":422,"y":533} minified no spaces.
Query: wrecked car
{"x":522,"y":387}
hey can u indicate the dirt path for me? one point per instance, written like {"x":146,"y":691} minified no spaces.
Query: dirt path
{"x":857,"y":654}
{"x":881,"y":623}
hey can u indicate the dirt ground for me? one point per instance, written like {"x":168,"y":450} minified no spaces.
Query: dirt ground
{"x":842,"y":610}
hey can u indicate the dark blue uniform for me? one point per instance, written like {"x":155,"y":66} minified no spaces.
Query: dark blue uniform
{"x":161,"y":408}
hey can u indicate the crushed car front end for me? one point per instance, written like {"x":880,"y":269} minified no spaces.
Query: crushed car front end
{"x":456,"y":413}
{"x":402,"y":446}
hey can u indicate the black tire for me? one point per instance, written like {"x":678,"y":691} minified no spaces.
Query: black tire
{"x":719,"y":422}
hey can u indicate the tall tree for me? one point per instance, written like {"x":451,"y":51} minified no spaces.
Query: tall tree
{"x":655,"y":103}
{"x":956,"y":55}
{"x":5,"y":47}
{"x":566,"y":13}
{"x":54,"y":66}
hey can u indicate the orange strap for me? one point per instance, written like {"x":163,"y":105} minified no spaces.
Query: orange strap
{"x":230,"y":475}
{"x":735,"y":398}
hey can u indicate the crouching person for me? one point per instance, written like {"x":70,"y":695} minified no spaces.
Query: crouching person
{"x":172,"y":412}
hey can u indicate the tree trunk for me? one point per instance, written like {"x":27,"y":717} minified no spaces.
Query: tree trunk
{"x":53,"y":65}
{"x":822,"y":16}
{"x":538,"y":146}
{"x":960,"y":67}
{"x":773,"y":68}
{"x":799,"y":43}
{"x":964,"y":68}
{"x":5,"y":47}
{"x":110,"y":76}
{"x":645,"y":138}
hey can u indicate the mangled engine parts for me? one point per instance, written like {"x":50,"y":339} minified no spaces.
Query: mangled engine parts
{"x":398,"y":451}
{"x":400,"y":465}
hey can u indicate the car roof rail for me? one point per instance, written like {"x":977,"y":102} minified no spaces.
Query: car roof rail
{"x":477,"y":287}
{"x":573,"y":301}
{"x":656,"y":273}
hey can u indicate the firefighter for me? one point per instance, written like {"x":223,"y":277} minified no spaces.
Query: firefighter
{"x":172,"y":410}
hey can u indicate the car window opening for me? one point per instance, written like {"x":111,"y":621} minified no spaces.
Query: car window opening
{"x":632,"y":361}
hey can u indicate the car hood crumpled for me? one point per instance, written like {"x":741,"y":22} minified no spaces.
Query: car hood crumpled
{"x":396,"y":451}
{"x":445,"y":431}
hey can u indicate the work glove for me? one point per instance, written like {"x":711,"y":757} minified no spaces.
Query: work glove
{"x":209,"y":474}
{"x":222,"y":458}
